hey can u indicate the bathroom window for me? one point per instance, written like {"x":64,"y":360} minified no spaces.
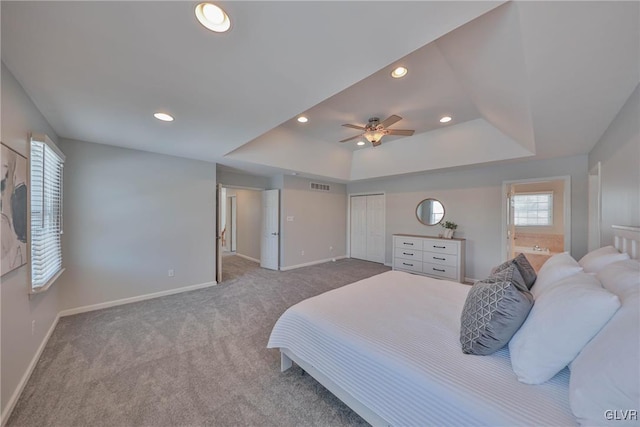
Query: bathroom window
{"x":533,"y":209}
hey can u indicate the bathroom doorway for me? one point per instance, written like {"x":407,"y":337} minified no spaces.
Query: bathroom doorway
{"x":537,"y":219}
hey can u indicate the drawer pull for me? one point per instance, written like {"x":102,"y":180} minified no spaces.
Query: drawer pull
{"x":439,"y":247}
{"x":405,"y":243}
{"x":410,"y":265}
{"x":441,"y":259}
{"x":437,"y":269}
{"x":404,"y":253}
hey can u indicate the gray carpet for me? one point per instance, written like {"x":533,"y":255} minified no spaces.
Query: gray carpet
{"x":197,"y":358}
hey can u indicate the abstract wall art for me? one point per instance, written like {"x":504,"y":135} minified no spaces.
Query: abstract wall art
{"x":13,"y":209}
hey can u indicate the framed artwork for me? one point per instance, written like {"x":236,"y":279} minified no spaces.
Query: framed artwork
{"x":13,"y":209}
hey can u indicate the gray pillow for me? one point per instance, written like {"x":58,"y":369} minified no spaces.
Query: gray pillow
{"x":527,"y":272}
{"x":494,"y":311}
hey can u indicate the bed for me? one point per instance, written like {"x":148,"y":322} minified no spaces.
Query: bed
{"x":388,"y":346}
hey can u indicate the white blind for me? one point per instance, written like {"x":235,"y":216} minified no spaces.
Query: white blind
{"x":533,"y":209}
{"x":46,"y":213}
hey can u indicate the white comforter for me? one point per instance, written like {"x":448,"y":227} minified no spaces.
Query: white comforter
{"x":391,"y":341}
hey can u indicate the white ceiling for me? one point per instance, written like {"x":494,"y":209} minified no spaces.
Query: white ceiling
{"x":531,"y":79}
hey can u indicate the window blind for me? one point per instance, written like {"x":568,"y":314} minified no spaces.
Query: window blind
{"x":533,"y":209}
{"x":46,"y":212}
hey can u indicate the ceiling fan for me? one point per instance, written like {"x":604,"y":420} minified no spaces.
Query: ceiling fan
{"x":376,"y":129}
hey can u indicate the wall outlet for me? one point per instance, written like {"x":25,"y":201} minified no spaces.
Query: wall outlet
{"x":33,"y":327}
{"x":290,"y":218}
{"x":302,"y":252}
{"x":171,"y":273}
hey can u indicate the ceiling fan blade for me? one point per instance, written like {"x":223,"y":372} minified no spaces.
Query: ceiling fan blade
{"x":353,"y":137}
{"x":390,"y":120}
{"x":405,"y":132}
{"x":354,"y":127}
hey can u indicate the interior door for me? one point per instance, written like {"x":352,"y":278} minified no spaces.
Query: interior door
{"x":375,"y":228}
{"x":511,"y":227}
{"x":270,"y":241}
{"x":219,"y":227}
{"x":358,"y":227}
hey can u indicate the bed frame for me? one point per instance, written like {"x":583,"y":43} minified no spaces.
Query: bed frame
{"x":626,"y":239}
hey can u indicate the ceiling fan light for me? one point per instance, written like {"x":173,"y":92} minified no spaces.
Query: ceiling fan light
{"x":373,"y":135}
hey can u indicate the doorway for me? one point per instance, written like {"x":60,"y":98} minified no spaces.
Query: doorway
{"x":241,"y":217}
{"x":537,"y":218}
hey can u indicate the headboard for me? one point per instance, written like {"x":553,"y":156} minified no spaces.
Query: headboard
{"x":627,"y":239}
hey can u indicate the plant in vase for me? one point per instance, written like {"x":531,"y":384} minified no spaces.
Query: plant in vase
{"x":449,"y":228}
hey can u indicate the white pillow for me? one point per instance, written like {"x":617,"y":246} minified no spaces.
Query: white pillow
{"x":556,"y":268}
{"x":621,"y":278}
{"x":597,"y":259}
{"x":563,"y":319}
{"x":605,"y":375}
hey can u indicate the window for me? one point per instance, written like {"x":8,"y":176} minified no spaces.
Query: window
{"x":533,"y":209}
{"x":46,"y":162}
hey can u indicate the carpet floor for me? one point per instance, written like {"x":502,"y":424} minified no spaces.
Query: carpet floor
{"x":194,"y":359}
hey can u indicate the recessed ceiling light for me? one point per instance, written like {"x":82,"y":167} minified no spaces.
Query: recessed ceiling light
{"x":445,"y":119}
{"x":399,"y":72}
{"x":163,"y":116}
{"x":213,"y":17}
{"x":360,"y":143}
{"x":303,"y":119}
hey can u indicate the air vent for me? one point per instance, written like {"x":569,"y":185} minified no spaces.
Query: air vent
{"x":319,"y":187}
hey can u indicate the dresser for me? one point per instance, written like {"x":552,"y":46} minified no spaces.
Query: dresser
{"x":429,"y":256}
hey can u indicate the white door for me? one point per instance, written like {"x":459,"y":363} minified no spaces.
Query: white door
{"x":375,"y":228}
{"x":359,"y":227}
{"x":270,"y":241}
{"x":367,"y":227}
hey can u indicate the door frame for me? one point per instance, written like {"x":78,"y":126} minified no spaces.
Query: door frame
{"x":219,"y":186}
{"x":594,"y":212}
{"x":384,"y":227}
{"x":566,"y":215}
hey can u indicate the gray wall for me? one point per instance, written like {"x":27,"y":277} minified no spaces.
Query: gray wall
{"x":319,"y":221}
{"x":472,"y":198}
{"x":130,"y":216}
{"x":619,"y":153}
{"x":249,"y":221}
{"x":235,"y":179}
{"x":20,"y":117}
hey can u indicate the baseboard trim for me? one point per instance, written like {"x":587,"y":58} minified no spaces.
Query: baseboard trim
{"x":6,"y":413}
{"x":248,"y":257}
{"x":307,"y":264}
{"x":100,"y":306}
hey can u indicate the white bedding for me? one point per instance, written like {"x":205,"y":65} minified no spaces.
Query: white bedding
{"x":391,"y":342}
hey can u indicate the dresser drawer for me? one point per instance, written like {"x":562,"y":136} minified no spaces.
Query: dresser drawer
{"x":441,"y":246}
{"x":440,"y":258}
{"x":408,"y":243}
{"x":405,"y":264}
{"x":445,"y":271}
{"x":409,"y":254}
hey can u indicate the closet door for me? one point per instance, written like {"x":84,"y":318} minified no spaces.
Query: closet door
{"x":375,"y":228}
{"x":359,"y":227}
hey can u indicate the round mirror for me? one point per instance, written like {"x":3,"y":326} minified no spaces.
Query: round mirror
{"x":430,"y":211}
